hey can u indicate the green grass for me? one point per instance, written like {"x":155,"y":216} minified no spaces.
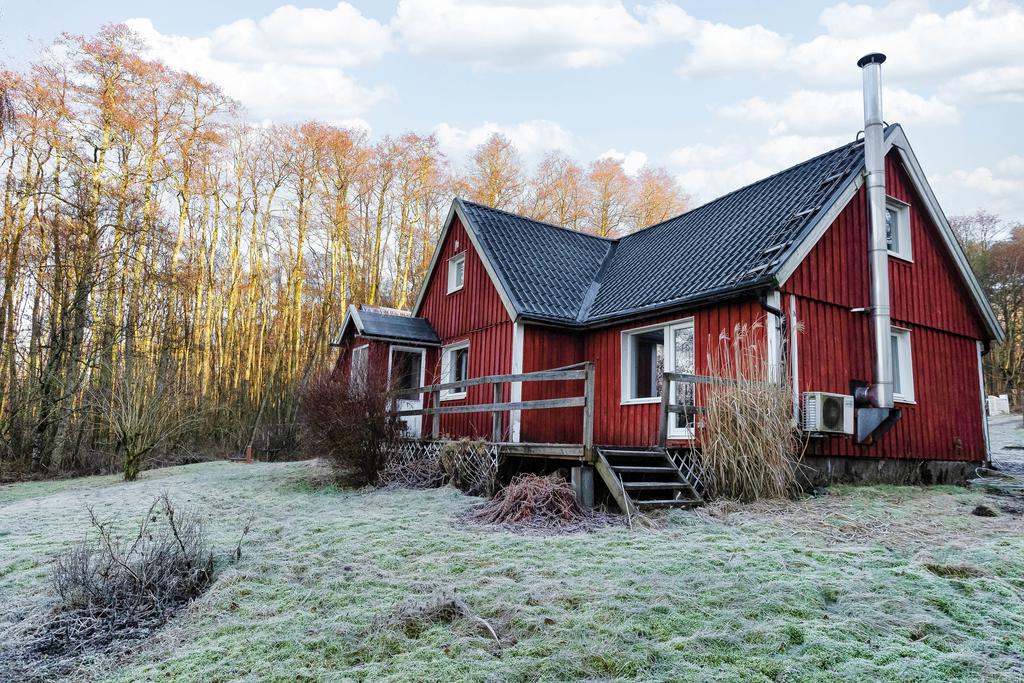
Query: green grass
{"x":878,"y":583}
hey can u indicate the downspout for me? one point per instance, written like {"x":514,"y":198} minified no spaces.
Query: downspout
{"x":876,"y":415}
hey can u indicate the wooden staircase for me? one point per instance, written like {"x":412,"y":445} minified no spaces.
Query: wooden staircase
{"x":643,"y":478}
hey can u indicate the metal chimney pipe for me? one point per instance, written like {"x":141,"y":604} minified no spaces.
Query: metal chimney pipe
{"x":879,"y":394}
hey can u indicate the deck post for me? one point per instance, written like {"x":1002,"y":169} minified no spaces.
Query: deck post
{"x":666,"y":386}
{"x":588,"y":417}
{"x":583,"y":484}
{"x":496,"y":416}
{"x":435,"y":419}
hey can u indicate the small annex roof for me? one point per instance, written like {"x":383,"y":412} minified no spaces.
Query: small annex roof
{"x":388,"y":324}
{"x":749,"y":240}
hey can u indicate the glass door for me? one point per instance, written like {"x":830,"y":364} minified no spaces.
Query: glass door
{"x":680,"y":357}
{"x":407,"y":368}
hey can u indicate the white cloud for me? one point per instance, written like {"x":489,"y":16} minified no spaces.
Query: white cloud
{"x":286,"y":65}
{"x":709,"y":171}
{"x":531,"y":138}
{"x":569,"y":33}
{"x":812,"y":112}
{"x":632,"y":161}
{"x":999,"y":189}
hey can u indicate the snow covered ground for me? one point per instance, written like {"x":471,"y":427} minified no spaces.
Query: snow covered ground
{"x":1006,"y":435}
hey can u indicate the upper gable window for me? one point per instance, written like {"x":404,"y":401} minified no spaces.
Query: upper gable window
{"x":897,"y":228}
{"x":456,"y":272}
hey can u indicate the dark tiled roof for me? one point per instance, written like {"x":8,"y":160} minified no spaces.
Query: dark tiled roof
{"x":376,"y":323}
{"x":546,"y":270}
{"x":734,"y":242}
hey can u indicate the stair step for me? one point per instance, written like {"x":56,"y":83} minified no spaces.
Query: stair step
{"x":653,"y":485}
{"x":633,"y":452}
{"x":643,"y":469}
{"x":669,"y":502}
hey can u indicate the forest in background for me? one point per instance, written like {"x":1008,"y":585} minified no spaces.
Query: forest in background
{"x":172,"y":272}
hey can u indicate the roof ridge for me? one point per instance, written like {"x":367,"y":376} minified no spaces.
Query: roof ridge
{"x":538,"y":222}
{"x":749,"y":185}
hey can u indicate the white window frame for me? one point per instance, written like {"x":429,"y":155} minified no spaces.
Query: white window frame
{"x":408,"y":349}
{"x":626,"y":347}
{"x":905,"y":249}
{"x":446,"y":370}
{"x":905,"y":362}
{"x":453,"y":269}
{"x":359,"y":382}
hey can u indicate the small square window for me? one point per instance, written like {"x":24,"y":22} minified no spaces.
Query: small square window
{"x":454,"y":368}
{"x":897,"y":228}
{"x":456,"y":272}
{"x":902,"y":366}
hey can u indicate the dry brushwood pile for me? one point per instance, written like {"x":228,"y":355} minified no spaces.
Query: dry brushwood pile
{"x":543,"y":504}
{"x":111,"y":590}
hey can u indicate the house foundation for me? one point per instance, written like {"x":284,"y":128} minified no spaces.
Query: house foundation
{"x":827,"y":470}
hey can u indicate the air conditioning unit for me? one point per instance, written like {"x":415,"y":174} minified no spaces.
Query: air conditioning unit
{"x":831,"y":413}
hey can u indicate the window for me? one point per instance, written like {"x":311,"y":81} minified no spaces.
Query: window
{"x":456,"y":272}
{"x":897,"y":228}
{"x":648,"y":352}
{"x":646,"y":359}
{"x":406,"y":368}
{"x":454,"y":368}
{"x":902,"y":366}
{"x":360,"y":367}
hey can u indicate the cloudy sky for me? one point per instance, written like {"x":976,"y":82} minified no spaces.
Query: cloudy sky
{"x":720,"y":93}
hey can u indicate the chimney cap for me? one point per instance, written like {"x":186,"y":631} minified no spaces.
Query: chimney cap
{"x":873,"y":58}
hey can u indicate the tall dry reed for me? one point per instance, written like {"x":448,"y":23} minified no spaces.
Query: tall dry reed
{"x":748,"y":445}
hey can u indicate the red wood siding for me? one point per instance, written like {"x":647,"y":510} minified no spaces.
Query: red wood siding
{"x":926,"y":292}
{"x":377,"y":356}
{"x":476,"y":313}
{"x":928,"y":298}
{"x":635,"y":425}
{"x":545,"y":348}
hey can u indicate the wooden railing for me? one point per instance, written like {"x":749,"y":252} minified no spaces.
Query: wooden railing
{"x":580,"y":371}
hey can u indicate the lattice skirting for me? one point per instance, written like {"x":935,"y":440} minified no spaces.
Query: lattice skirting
{"x":470,"y":465}
{"x":691,"y":466}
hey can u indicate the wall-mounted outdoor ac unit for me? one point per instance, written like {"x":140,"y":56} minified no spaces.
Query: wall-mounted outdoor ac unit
{"x":831,"y":413}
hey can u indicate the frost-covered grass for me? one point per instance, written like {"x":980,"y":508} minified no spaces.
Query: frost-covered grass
{"x":879,"y":583}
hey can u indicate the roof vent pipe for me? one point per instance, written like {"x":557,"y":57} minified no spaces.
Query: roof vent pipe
{"x":879,"y":394}
{"x":878,"y":415}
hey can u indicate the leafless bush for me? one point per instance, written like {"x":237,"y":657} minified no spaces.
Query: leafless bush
{"x":534,"y":503}
{"x":145,"y":410}
{"x":112,"y":590}
{"x":348,"y":425}
{"x":747,"y":443}
{"x":470,"y":466}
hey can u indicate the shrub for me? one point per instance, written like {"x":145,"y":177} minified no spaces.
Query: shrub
{"x":748,"y":447}
{"x":111,"y":588}
{"x":349,"y":426}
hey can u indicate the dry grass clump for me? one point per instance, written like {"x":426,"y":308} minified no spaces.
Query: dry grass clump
{"x":748,"y":446}
{"x":534,"y":503}
{"x":412,"y":616}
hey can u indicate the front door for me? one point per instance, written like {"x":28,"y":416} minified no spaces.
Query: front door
{"x":680,"y":357}
{"x":407,"y":365}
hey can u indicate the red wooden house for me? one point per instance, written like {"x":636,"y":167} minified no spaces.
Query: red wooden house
{"x":862,"y":293}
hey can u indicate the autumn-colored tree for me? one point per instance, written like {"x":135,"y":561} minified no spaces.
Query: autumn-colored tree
{"x":609,"y":198}
{"x":496,"y":176}
{"x":656,"y":197}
